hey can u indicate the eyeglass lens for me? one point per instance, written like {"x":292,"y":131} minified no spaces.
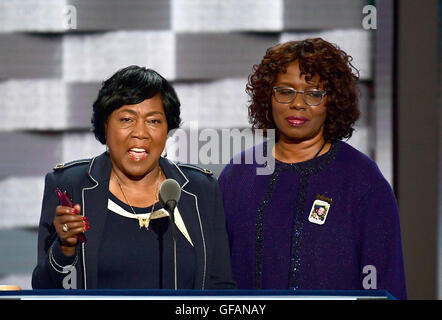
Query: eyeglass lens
{"x":287,"y":95}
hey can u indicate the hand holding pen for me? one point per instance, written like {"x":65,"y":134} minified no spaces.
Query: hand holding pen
{"x":69,"y":223}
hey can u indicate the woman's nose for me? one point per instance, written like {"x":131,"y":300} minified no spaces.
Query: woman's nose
{"x":298,"y":102}
{"x":141,"y":130}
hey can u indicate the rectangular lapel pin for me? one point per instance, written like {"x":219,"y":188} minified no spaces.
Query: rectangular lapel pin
{"x":320,"y":210}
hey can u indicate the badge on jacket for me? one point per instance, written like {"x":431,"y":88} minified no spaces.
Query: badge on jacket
{"x":320,"y":210}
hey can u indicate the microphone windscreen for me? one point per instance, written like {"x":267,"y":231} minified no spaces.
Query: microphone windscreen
{"x":169,"y":190}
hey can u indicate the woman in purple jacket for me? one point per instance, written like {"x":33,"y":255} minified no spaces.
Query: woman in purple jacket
{"x":325,"y":218}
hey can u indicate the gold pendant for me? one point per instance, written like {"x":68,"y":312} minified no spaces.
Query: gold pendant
{"x":144,"y":222}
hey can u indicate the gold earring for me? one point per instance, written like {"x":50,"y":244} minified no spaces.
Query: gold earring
{"x":267,"y":116}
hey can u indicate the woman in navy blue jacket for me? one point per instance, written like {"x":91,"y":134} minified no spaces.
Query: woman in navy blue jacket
{"x":116,"y":206}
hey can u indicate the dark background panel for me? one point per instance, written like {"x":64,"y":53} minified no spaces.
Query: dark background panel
{"x":101,"y":15}
{"x":322,"y":14}
{"x":28,"y":56}
{"x":219,"y":55}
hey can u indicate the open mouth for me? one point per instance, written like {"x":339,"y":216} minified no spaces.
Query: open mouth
{"x":137,"y":154}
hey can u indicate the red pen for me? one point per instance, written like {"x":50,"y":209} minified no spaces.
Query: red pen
{"x":66,"y":201}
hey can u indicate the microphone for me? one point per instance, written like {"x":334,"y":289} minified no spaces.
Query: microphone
{"x":170,"y":192}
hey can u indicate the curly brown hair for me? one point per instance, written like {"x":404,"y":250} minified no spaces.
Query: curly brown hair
{"x":315,"y":56}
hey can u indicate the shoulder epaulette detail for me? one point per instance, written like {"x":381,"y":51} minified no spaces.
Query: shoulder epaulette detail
{"x":70,"y":164}
{"x":206,"y":171}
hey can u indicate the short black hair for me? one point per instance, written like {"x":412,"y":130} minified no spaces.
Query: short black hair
{"x":132,"y":85}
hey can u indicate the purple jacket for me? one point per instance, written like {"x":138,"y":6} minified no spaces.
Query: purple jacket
{"x":274,"y":244}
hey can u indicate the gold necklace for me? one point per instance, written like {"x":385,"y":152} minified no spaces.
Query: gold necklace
{"x":141,"y":221}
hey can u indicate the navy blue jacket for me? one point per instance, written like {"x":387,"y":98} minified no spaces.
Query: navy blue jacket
{"x":87,"y":182}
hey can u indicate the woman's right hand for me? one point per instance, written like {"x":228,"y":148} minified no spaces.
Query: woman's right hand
{"x":69,"y":223}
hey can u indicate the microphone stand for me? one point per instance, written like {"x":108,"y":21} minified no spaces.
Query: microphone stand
{"x":170,"y":207}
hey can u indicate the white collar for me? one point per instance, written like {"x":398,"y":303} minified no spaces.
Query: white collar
{"x":161,"y":213}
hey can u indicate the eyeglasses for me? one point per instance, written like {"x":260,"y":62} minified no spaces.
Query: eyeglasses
{"x":311,"y":97}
